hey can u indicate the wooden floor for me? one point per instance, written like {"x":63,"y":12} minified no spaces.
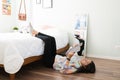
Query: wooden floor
{"x":106,"y":70}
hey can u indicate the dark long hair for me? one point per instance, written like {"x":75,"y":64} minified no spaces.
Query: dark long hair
{"x":90,"y":68}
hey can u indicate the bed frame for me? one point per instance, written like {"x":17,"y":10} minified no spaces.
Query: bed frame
{"x":35,"y":58}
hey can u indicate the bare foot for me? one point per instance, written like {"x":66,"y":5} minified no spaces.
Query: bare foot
{"x":34,"y":32}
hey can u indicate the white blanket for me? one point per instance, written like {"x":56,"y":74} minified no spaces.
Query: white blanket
{"x":15,"y":47}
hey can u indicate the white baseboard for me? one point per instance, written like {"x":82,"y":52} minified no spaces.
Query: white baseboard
{"x":104,"y":57}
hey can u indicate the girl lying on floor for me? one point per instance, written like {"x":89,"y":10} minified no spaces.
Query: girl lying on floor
{"x":73,"y":63}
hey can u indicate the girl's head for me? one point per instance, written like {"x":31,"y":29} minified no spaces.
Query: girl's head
{"x":88,"y":66}
{"x":84,"y":62}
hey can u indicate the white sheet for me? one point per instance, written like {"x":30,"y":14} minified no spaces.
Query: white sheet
{"x":15,"y":47}
{"x":61,"y":37}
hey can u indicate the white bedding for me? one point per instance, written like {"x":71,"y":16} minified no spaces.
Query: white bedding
{"x":15,"y":47}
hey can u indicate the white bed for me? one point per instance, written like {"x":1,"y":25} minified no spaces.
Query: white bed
{"x":15,"y":47}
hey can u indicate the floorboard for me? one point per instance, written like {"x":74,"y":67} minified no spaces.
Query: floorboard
{"x":105,"y":70}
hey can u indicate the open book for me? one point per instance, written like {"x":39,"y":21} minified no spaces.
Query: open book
{"x":75,"y":48}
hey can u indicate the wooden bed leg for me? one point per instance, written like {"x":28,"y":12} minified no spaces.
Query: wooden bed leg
{"x":12,"y":76}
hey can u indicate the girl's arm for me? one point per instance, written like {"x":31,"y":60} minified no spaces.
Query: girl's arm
{"x":68,"y":57}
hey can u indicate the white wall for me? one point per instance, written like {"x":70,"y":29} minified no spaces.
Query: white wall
{"x":22,"y":23}
{"x":7,"y":21}
{"x":103,"y":29}
{"x":103,"y":32}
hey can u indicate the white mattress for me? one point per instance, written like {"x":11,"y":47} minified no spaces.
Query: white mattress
{"x":15,"y":47}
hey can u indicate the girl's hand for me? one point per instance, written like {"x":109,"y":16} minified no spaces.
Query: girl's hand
{"x":68,"y":71}
{"x":72,"y":65}
{"x":70,"y":54}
